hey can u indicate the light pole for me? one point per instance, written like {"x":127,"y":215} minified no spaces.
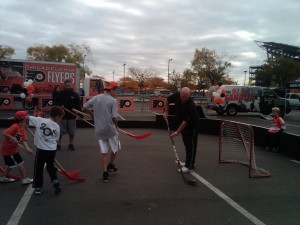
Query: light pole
{"x":113,"y":75}
{"x":83,"y":65}
{"x":124,"y":73}
{"x":245,"y":77}
{"x":168,"y":71}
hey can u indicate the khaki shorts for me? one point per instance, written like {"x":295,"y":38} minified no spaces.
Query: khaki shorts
{"x":112,"y":144}
{"x":67,"y":127}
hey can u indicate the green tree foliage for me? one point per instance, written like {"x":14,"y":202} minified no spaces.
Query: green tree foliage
{"x":277,"y":72}
{"x":6,"y":52}
{"x":71,"y":53}
{"x":209,"y":67}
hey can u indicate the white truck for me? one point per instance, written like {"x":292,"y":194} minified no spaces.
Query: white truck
{"x":246,"y":99}
{"x":294,"y":99}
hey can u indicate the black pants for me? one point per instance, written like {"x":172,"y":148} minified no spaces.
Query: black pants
{"x":273,"y":139}
{"x":190,"y":139}
{"x":42,"y":157}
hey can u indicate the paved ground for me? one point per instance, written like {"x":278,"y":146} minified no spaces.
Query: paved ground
{"x":148,"y":190}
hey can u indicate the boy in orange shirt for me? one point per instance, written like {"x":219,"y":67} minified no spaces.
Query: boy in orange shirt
{"x":15,"y":135}
{"x":274,"y":133}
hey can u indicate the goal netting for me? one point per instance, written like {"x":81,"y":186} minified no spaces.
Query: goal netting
{"x":236,"y":145}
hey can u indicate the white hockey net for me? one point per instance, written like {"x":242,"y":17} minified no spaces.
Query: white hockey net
{"x":236,"y":145}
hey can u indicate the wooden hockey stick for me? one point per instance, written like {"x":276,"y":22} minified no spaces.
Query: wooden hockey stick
{"x":10,"y":175}
{"x":187,"y":181}
{"x":147,"y":134}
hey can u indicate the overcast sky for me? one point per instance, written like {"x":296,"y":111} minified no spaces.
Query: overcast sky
{"x":144,"y":33}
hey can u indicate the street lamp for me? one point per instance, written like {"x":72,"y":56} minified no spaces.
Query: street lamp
{"x":245,"y":77}
{"x":169,"y":70}
{"x":124,"y":73}
{"x":83,"y":65}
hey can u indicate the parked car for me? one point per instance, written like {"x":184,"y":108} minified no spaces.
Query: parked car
{"x":161,"y":93}
{"x":294,"y":99}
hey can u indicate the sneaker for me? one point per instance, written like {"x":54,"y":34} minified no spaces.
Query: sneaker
{"x":105,"y":177}
{"x":71,"y":147}
{"x":111,"y":168}
{"x":276,"y":149}
{"x":5,"y":179}
{"x":38,"y":191}
{"x":180,"y":163}
{"x":58,"y":147}
{"x":27,"y":180}
{"x":184,"y":170}
{"x":56,"y":186}
{"x":268,"y":148}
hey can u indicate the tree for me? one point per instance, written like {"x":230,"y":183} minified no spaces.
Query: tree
{"x":71,"y":53}
{"x":130,"y":85}
{"x":209,"y":66}
{"x":278,"y":71}
{"x":141,"y":75}
{"x":155,"y":82}
{"x":6,"y":52}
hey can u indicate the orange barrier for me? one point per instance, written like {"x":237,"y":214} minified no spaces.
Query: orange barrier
{"x":125,"y":103}
{"x":157,"y":104}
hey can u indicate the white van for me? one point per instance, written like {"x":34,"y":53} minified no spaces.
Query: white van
{"x":294,"y":99}
{"x":246,"y":99}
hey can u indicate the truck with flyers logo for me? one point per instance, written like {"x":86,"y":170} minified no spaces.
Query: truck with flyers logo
{"x":26,"y":84}
{"x":231,"y":99}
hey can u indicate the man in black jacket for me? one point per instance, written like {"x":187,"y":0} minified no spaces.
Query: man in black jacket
{"x":69,"y":99}
{"x":187,"y":118}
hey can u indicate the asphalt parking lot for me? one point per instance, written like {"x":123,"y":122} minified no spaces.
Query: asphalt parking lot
{"x":147,"y":189}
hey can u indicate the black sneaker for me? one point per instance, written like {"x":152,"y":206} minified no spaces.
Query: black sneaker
{"x":71,"y":147}
{"x":105,"y":177}
{"x":38,"y":191}
{"x":58,"y":147}
{"x":56,"y":186}
{"x":111,"y":168}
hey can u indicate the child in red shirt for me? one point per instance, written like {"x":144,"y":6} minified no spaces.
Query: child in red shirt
{"x":15,"y":135}
{"x":274,"y":133}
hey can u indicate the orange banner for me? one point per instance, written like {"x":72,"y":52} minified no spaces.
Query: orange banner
{"x":45,"y":102}
{"x":157,"y":104}
{"x":7,"y":102}
{"x":125,"y":103}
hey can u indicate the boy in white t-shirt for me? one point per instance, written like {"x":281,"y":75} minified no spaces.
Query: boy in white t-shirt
{"x":45,"y":139}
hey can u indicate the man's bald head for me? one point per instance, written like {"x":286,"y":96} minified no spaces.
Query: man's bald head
{"x":185,"y":94}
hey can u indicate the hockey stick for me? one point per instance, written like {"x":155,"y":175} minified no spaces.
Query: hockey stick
{"x":187,"y":181}
{"x":70,"y":175}
{"x":10,"y":175}
{"x":141,"y":136}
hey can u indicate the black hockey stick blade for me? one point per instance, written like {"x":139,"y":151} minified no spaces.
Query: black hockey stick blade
{"x":187,"y":181}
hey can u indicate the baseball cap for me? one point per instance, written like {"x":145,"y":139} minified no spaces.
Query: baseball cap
{"x":111,"y":85}
{"x":21,"y":115}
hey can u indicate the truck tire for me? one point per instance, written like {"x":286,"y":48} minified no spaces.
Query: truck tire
{"x":231,"y":110}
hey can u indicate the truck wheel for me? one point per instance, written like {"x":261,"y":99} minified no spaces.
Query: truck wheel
{"x":231,"y":110}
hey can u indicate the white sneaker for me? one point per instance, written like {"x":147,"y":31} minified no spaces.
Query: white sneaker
{"x":180,"y":163}
{"x":184,"y":170}
{"x":27,"y":180}
{"x":5,"y":179}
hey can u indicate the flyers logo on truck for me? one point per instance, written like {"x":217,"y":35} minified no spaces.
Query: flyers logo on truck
{"x":35,"y":75}
{"x":4,"y":101}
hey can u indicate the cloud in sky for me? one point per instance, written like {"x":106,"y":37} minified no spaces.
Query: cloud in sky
{"x":145,"y":33}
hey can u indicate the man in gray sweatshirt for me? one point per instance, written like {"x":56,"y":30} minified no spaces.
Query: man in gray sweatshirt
{"x":105,"y":112}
